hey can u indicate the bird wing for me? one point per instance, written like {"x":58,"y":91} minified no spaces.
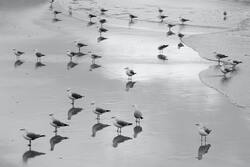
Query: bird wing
{"x":33,"y":136}
{"x":132,"y":72}
{"x":123,"y":123}
{"x":101,"y":110}
{"x":59,"y":123}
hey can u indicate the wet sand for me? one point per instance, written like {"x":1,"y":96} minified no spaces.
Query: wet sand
{"x":170,"y":95}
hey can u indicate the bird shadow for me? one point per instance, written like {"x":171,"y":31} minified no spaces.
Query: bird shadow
{"x":100,"y":39}
{"x":94,"y":66}
{"x":202,"y":150}
{"x":39,"y":65}
{"x":170,"y":33}
{"x":120,"y":139}
{"x":90,"y":23}
{"x":71,"y":65}
{"x":80,"y":54}
{"x":98,"y":127}
{"x":56,"y":140}
{"x":18,"y":63}
{"x":130,"y":85}
{"x":54,"y":20}
{"x":31,"y":154}
{"x":73,"y":111}
{"x":137,"y":130}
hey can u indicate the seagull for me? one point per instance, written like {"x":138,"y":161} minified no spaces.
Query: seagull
{"x":103,"y":11}
{"x":219,"y":56}
{"x":73,"y":96}
{"x":91,"y":16}
{"x":225,"y":13}
{"x":162,"y":47}
{"x":70,"y":11}
{"x":99,"y":111}
{"x":39,"y":55}
{"x":225,"y":70}
{"x":234,"y":63}
{"x":162,"y":17}
{"x":101,"y":30}
{"x":79,"y":45}
{"x":17,"y":53}
{"x":203,"y":131}
{"x":137,"y":114}
{"x":129,"y":73}
{"x":120,"y":124}
{"x":31,"y":136}
{"x":132,"y":17}
{"x":170,"y":26}
{"x":180,"y":35}
{"x":180,"y":45}
{"x":56,"y":123}
{"x":102,"y":21}
{"x":56,"y":13}
{"x":160,"y":10}
{"x":94,"y":56}
{"x":71,"y":54}
{"x":183,"y":20}
{"x":162,"y":57}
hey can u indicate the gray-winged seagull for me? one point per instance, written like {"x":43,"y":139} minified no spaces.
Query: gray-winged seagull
{"x":30,"y":136}
{"x":120,"y":124}
{"x":99,"y":111}
{"x":73,"y":96}
{"x":56,"y":123}
{"x":203,"y":131}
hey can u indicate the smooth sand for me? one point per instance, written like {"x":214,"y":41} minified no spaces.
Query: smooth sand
{"x":170,"y":95}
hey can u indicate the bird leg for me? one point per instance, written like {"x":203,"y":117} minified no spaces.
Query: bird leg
{"x":205,"y":140}
{"x":98,"y":117}
{"x":201,"y":140}
{"x":29,"y":143}
{"x":55,"y":130}
{"x":79,"y":49}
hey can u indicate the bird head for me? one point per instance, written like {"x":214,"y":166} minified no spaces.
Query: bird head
{"x":23,"y":129}
{"x":126,"y":68}
{"x":51,"y":114}
{"x":14,"y":49}
{"x":69,"y":89}
{"x":35,"y":50}
{"x":134,"y":105}
{"x":113,"y":117}
{"x":92,"y":103}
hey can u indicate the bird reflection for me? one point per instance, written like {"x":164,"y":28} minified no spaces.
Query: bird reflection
{"x":39,"y":65}
{"x":94,"y":66}
{"x":203,"y":149}
{"x":130,"y":85}
{"x":90,"y":23}
{"x":80,"y":54}
{"x":71,"y":64}
{"x":18,"y":63}
{"x":100,"y":39}
{"x":55,"y":140}
{"x":31,"y":154}
{"x":56,"y":20}
{"x":73,"y":111}
{"x":120,"y":139}
{"x":137,"y":130}
{"x":97,"y":127}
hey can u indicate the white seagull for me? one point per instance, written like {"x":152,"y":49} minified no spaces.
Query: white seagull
{"x":203,"y":131}
{"x":30,"y":136}
{"x":137,"y":114}
{"x":56,"y":123}
{"x":129,"y":73}
{"x":38,"y":55}
{"x":99,"y":111}
{"x":73,"y":96}
{"x":71,"y":54}
{"x":79,"y":45}
{"x":120,"y":124}
{"x":17,"y":53}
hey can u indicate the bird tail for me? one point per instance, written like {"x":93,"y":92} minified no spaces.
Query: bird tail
{"x":108,"y":110}
{"x":66,"y":124}
{"x":42,"y":135}
{"x":130,"y":124}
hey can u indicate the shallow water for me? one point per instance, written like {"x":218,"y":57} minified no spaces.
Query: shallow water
{"x":170,"y":95}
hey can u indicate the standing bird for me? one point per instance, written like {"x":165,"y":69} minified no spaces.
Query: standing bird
{"x":73,"y":96}
{"x":17,"y":53}
{"x":225,"y":13}
{"x":102,"y":30}
{"x":137,"y":114}
{"x":71,"y":54}
{"x":103,"y":11}
{"x":79,"y":45}
{"x":120,"y":124}
{"x":132,"y":17}
{"x":203,"y":131}
{"x":162,"y":17}
{"x":219,"y":56}
{"x":51,"y":4}
{"x":225,"y":70}
{"x":102,"y":21}
{"x":180,"y":45}
{"x":91,"y":16}
{"x":70,"y":10}
{"x":56,"y":123}
{"x":94,"y":57}
{"x":129,"y":73}
{"x":170,"y":26}
{"x":183,"y":20}
{"x":180,"y":35}
{"x":38,"y":55}
{"x":98,"y":111}
{"x":56,"y":13}
{"x":162,"y":47}
{"x":162,"y":57}
{"x":30,"y":136}
{"x":234,"y":63}
{"x":160,"y":11}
